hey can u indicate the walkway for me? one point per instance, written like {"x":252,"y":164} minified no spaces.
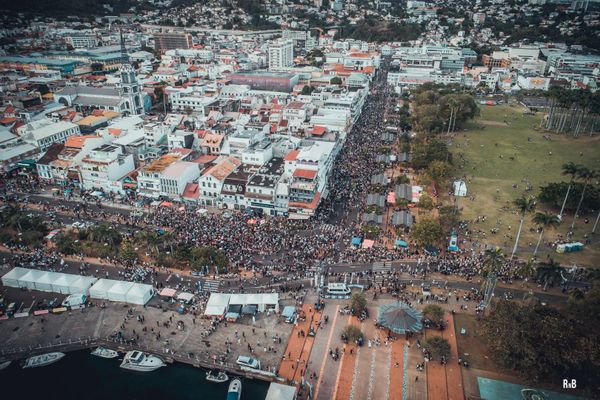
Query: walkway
{"x":297,"y":353}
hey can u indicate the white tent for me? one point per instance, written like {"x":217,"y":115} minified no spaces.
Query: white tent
{"x":139,"y":294}
{"x":217,"y":304}
{"x":460,"y":188}
{"x":11,"y":278}
{"x":44,"y":282}
{"x":185,"y":296}
{"x":62,"y":283}
{"x":261,"y":300}
{"x":118,"y":291}
{"x":28,"y":280}
{"x":100,"y":289}
{"x":82,"y":284}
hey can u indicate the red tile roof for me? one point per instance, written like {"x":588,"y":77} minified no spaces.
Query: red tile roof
{"x":292,"y":155}
{"x":318,"y":130}
{"x":305,"y":173}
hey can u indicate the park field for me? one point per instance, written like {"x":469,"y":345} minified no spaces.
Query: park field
{"x":503,"y":153}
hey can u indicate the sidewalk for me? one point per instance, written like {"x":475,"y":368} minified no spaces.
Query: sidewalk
{"x":296,"y":356}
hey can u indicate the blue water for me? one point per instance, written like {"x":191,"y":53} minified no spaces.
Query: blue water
{"x":80,"y":376}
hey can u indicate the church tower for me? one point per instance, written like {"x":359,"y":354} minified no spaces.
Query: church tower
{"x":130,"y":90}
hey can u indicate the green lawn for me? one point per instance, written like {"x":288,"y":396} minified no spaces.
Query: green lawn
{"x":499,"y":155}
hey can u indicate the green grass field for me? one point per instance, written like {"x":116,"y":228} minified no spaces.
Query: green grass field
{"x":499,"y":155}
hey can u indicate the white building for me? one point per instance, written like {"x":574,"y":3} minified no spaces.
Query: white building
{"x":281,"y":54}
{"x":104,"y":167}
{"x":42,"y":133}
{"x":176,"y":176}
{"x":82,"y":41}
{"x":212,"y":181}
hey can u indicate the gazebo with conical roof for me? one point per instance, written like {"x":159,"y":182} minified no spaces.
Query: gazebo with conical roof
{"x":400,"y":318}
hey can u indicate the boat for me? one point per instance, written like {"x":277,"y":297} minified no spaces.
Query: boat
{"x":137,"y":361}
{"x":43,"y":360}
{"x":4,"y":364}
{"x":104,"y":353}
{"x":235,"y":390}
{"x":219,"y":378}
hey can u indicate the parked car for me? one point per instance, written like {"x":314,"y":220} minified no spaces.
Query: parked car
{"x":249,"y":362}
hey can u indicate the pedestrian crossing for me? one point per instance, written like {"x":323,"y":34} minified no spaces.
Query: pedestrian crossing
{"x":328,"y":228}
{"x":211,"y":285}
{"x":381,"y":267}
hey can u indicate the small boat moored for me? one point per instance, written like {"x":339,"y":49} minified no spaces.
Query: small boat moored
{"x":137,"y":361}
{"x":104,"y":353}
{"x":4,"y":364}
{"x":43,"y":360}
{"x":219,"y":378}
{"x":235,"y":390}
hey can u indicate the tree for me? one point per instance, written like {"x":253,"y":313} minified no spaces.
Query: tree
{"x":336,"y":80}
{"x":434,"y":312}
{"x":493,"y":261}
{"x":541,"y":342}
{"x":550,"y":273}
{"x":437,"y":346}
{"x":150,"y":239}
{"x":358,"y":303}
{"x":306,"y":90}
{"x":427,"y":231}
{"x":425,"y":152}
{"x":352,"y":333}
{"x":439,"y":171}
{"x":97,"y":67}
{"x":570,"y":169}
{"x":127,"y":252}
{"x":425,"y":202}
{"x":544,"y":220}
{"x":586,"y":175}
{"x":525,"y":205}
{"x":65,"y":244}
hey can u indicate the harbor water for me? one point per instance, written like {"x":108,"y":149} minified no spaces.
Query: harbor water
{"x":80,"y":375}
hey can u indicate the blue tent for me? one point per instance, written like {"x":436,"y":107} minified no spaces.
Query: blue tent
{"x":288,"y":312}
{"x":399,"y":318}
{"x":401,"y":243}
{"x":356,"y":241}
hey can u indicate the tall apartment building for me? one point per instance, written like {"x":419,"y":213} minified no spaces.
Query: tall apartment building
{"x":82,"y":41}
{"x":172,"y":41}
{"x":281,"y":54}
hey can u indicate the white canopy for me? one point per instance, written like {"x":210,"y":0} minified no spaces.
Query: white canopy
{"x":28,"y":280}
{"x":185,"y":296}
{"x":139,"y":293}
{"x":82,"y":284}
{"x":62,"y":283}
{"x":118,"y":291}
{"x":100,"y":289}
{"x":11,"y":278}
{"x":217,"y":304}
{"x":220,"y":301}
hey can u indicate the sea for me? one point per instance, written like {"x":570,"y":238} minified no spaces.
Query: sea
{"x":81,"y":376}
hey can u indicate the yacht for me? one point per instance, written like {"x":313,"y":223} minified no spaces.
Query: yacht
{"x":42,"y":360}
{"x":235,"y":390}
{"x":137,"y":361}
{"x":105,"y":353}
{"x":219,"y":378}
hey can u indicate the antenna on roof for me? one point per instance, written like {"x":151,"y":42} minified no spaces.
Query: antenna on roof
{"x":124,"y":56}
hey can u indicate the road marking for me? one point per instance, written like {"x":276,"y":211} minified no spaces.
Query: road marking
{"x":339,"y":371}
{"x":326,"y":353}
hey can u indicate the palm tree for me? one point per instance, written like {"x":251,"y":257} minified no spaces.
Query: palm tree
{"x":550,"y":272}
{"x":587,"y":175}
{"x":493,"y":260}
{"x":544,"y":220}
{"x":149,"y":238}
{"x":571,"y":169}
{"x":526,"y":270}
{"x":525,"y":205}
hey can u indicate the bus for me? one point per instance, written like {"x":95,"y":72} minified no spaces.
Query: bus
{"x":338,"y":289}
